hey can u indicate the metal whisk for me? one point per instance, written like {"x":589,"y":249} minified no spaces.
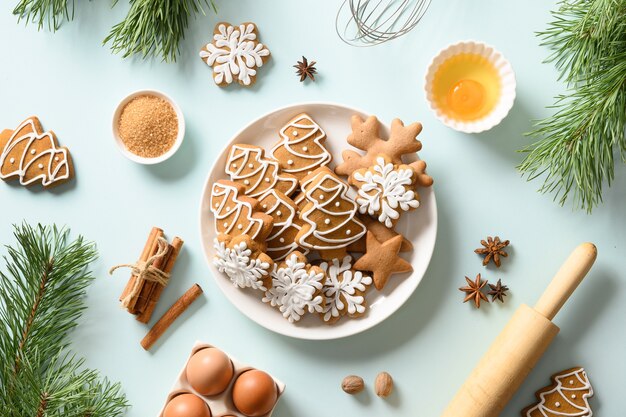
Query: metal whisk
{"x":372,"y":22}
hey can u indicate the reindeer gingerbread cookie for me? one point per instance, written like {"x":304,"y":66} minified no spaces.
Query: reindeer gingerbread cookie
{"x":366,"y":136}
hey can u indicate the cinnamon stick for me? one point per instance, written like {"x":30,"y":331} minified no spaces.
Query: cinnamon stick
{"x":148,"y":286}
{"x":153,"y":251}
{"x":170,"y":316}
{"x":149,"y":247}
{"x":155,"y":295}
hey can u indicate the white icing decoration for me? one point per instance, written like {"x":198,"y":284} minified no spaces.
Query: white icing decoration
{"x":341,"y":287}
{"x":280,"y":227}
{"x":236,"y":263}
{"x":562,"y":390}
{"x":47,"y":177}
{"x":235,"y":53}
{"x":313,"y":130}
{"x":32,"y":152}
{"x":265,"y":169}
{"x":40,"y":166}
{"x":56,"y":159}
{"x":295,"y":133}
{"x":293,"y":290}
{"x":339,"y":189}
{"x":239,"y":226}
{"x":348,"y":231}
{"x":250,"y":166}
{"x":337,"y":203}
{"x":385,"y":191}
{"x":305,"y":148}
{"x":290,"y":162}
{"x":327,"y":221}
{"x":278,"y":213}
{"x":222,"y":211}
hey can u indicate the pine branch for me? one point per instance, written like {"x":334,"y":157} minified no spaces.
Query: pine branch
{"x":154,"y":27}
{"x":575,"y":147}
{"x":41,"y":298}
{"x":50,"y":13}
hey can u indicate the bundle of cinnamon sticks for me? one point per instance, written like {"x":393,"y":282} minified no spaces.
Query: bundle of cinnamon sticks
{"x":143,"y":304}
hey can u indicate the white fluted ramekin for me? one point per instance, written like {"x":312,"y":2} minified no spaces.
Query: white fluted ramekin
{"x":507,"y":86}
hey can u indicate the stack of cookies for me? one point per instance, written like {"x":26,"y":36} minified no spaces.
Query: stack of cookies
{"x":288,"y":225}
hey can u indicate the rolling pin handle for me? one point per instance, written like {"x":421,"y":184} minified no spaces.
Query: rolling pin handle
{"x":566,"y":280}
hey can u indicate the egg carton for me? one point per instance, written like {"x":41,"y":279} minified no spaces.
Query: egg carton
{"x":221,"y":405}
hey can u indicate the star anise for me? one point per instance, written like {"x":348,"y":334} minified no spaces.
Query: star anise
{"x":493,"y":249}
{"x":498,"y":291}
{"x":306,"y":69}
{"x":474,"y":291}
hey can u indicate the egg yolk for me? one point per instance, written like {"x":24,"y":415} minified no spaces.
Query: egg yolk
{"x":466,"y":97}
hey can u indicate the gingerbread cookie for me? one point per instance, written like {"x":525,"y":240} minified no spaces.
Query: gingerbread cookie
{"x":402,"y":140}
{"x":301,"y":149}
{"x":567,"y":396}
{"x":281,"y":240}
{"x":344,"y":290}
{"x":330,"y":222}
{"x":385,"y":190}
{"x":243,"y":261}
{"x":382,"y":233}
{"x":34,"y":156}
{"x":235,"y":54}
{"x":236,"y":214}
{"x":382,"y":260}
{"x":296,"y":288}
{"x":247,"y":165}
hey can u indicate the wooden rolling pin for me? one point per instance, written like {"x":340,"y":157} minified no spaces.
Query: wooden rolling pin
{"x":519,"y":346}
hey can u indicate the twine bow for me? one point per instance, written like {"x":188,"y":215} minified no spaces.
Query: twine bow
{"x":144,"y":271}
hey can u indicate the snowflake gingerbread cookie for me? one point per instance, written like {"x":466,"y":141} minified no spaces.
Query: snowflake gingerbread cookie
{"x":385,"y":190}
{"x":241,"y":259}
{"x":296,"y":288}
{"x":344,"y":290}
{"x":235,"y":54}
{"x":34,"y":156}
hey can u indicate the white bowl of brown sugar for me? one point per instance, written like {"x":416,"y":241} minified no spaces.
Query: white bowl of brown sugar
{"x":148,"y":127}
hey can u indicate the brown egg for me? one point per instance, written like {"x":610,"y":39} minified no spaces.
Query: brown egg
{"x":186,"y":405}
{"x":209,"y":371}
{"x":254,"y":393}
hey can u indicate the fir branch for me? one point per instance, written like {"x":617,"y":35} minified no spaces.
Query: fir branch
{"x":154,"y":27}
{"x":41,"y":298}
{"x":576,"y":146}
{"x":50,"y":13}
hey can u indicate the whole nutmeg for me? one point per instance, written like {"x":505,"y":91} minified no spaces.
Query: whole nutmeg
{"x":383,"y":384}
{"x":352,"y":384}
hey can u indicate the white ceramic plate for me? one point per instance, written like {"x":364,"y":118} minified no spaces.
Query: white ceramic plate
{"x":420,"y":227}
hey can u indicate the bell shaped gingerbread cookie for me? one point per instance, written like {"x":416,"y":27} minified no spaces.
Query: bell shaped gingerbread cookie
{"x":34,"y":156}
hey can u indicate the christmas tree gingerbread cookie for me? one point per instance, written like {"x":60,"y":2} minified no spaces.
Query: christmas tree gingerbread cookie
{"x":243,"y":261}
{"x":330,"y":222}
{"x":296,"y":288}
{"x":236,"y":214}
{"x":567,"y":396}
{"x":247,"y":165}
{"x":281,"y":240}
{"x":344,"y":290}
{"x":34,"y":156}
{"x":385,"y":190}
{"x":366,"y":137}
{"x":235,"y":54}
{"x":301,"y":149}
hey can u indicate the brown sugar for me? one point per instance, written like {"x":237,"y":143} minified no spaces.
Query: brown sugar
{"x":148,"y":126}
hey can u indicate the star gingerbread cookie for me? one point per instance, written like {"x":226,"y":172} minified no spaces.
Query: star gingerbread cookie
{"x":34,"y":156}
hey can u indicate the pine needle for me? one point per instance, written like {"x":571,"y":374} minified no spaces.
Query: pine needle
{"x":154,"y":27}
{"x":41,"y":299}
{"x":50,"y":13}
{"x":575,"y":148}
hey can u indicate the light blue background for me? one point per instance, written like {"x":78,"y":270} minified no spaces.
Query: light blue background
{"x":430,"y":345}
